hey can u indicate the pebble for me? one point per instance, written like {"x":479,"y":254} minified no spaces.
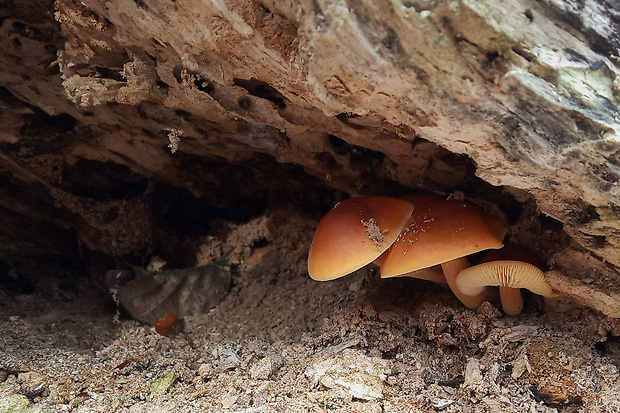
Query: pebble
{"x":360,"y":376}
{"x":264,"y":368}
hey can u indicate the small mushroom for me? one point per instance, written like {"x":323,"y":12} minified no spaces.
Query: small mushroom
{"x":511,"y":268}
{"x":168,"y":325}
{"x":510,"y":276}
{"x":354,"y":233}
{"x":444,"y":232}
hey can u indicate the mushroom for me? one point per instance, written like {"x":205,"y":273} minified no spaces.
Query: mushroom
{"x":168,"y":325}
{"x":445,"y":232}
{"x":354,"y":233}
{"x":434,"y":274}
{"x":420,"y":201}
{"x":511,"y":268}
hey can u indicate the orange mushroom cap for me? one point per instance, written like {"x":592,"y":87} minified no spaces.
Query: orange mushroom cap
{"x":419,"y":200}
{"x":443,"y":231}
{"x":354,"y":233}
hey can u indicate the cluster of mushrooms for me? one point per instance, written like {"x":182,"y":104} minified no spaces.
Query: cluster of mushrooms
{"x":426,"y":237}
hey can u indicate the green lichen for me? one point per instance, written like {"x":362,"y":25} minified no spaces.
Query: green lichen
{"x":162,"y":384}
{"x":548,"y":354}
{"x":50,"y":342}
{"x":586,"y":85}
{"x":17,"y":403}
{"x":486,"y":25}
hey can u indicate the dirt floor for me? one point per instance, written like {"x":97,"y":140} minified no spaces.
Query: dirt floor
{"x":281,"y":342}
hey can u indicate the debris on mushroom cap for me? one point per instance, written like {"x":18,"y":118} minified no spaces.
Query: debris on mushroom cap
{"x":440,"y":232}
{"x":513,"y":274}
{"x":354,"y":233}
{"x":420,"y":201}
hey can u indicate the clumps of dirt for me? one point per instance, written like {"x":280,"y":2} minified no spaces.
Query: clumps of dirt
{"x":115,"y":227}
{"x":561,"y":371}
{"x":286,"y":342}
{"x":450,"y":325}
{"x":278,"y":241}
{"x":609,"y":326}
{"x":48,"y":166}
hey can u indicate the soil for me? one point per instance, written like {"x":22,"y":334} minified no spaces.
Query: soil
{"x":282,"y":342}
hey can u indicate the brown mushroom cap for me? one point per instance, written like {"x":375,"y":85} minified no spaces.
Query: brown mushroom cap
{"x":419,"y":200}
{"x":354,"y":233}
{"x":506,"y":273}
{"x":440,"y":232}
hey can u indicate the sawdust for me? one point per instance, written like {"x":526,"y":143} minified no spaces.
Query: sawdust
{"x":283,"y":342}
{"x":374,"y":232}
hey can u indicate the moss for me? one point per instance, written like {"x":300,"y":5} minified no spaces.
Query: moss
{"x":587,"y":86}
{"x":162,"y":384}
{"x":17,"y":403}
{"x":552,"y":354}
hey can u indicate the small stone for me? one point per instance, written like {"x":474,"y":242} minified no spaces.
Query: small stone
{"x":228,"y":400}
{"x":228,"y":357}
{"x":472,"y":372}
{"x":205,"y":371}
{"x":263,"y":369}
{"x":360,"y":376}
{"x":520,"y":366}
{"x":439,"y":403}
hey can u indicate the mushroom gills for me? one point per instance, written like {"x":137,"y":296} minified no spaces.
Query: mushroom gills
{"x":510,"y":276}
{"x":513,"y":274}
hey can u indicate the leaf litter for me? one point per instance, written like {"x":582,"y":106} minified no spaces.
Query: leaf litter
{"x":153,"y":294}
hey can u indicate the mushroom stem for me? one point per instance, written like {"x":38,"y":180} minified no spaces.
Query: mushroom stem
{"x":450,"y":270}
{"x":512,"y":301}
